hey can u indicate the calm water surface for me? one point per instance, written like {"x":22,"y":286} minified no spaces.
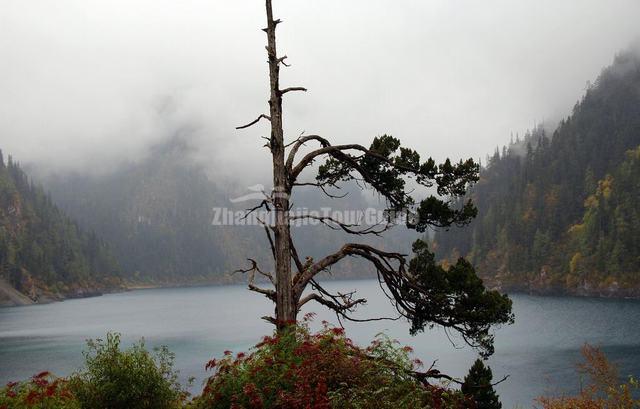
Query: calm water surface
{"x":539,"y":352}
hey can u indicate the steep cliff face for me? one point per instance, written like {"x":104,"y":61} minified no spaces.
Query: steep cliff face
{"x":558,"y":212}
{"x":43,"y":254}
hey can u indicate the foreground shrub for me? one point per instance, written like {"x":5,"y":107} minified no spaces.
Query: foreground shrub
{"x":129,"y":379}
{"x":324,"y":370}
{"x":43,"y":391}
{"x":603,"y":391}
{"x":297,"y":370}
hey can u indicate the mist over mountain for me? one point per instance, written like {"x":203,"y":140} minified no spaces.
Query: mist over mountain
{"x":287,"y":204}
{"x":156,"y":213}
{"x":448,"y":78}
{"x":562,"y":217}
{"x":134,"y":135}
{"x":160,"y":216}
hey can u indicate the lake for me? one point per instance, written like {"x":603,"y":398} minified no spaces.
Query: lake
{"x":539,"y":352}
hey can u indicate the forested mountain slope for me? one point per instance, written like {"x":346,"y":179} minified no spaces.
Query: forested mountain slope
{"x":559,"y":213}
{"x":156,"y":213}
{"x":43,"y":254}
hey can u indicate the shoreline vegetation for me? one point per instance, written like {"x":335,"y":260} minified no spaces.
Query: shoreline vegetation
{"x":10,"y":297}
{"x":297,"y":369}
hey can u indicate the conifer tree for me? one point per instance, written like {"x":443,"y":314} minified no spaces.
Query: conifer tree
{"x":422,"y":292}
{"x":478,"y":387}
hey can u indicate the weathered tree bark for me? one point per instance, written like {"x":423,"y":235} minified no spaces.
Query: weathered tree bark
{"x":285,"y":304}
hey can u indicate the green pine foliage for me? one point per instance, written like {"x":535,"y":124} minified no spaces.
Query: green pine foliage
{"x":457,"y":299}
{"x":478,"y":387}
{"x":43,"y":252}
{"x":559,"y":212}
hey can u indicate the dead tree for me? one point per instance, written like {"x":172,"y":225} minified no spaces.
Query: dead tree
{"x":422,"y":291}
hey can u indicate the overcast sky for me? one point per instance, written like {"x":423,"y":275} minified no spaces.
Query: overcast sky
{"x":86,"y":84}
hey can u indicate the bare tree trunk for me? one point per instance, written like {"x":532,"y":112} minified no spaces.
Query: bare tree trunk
{"x":286,"y":306}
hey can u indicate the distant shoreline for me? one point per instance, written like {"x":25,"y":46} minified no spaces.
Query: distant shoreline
{"x":10,"y":297}
{"x":557,"y":291}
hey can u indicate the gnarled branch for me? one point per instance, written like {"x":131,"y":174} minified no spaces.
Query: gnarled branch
{"x":300,"y":142}
{"x":255,"y":121}
{"x":340,"y":308}
{"x":264,"y":203}
{"x":322,"y":186}
{"x":270,"y":294}
{"x":292,"y":89}
{"x":282,"y":59}
{"x":268,"y":233}
{"x":252,"y":269}
{"x":377,"y":256}
{"x":295,"y":257}
{"x":334,"y":224}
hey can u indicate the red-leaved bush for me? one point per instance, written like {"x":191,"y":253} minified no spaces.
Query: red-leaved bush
{"x":296,"y":370}
{"x":42,"y":391}
{"x":304,"y":370}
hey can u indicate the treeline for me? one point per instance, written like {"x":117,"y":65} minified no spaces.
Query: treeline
{"x":559,"y":212}
{"x":42,"y":252}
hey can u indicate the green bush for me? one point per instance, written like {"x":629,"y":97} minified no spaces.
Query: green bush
{"x":317,"y":371}
{"x":129,"y":379}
